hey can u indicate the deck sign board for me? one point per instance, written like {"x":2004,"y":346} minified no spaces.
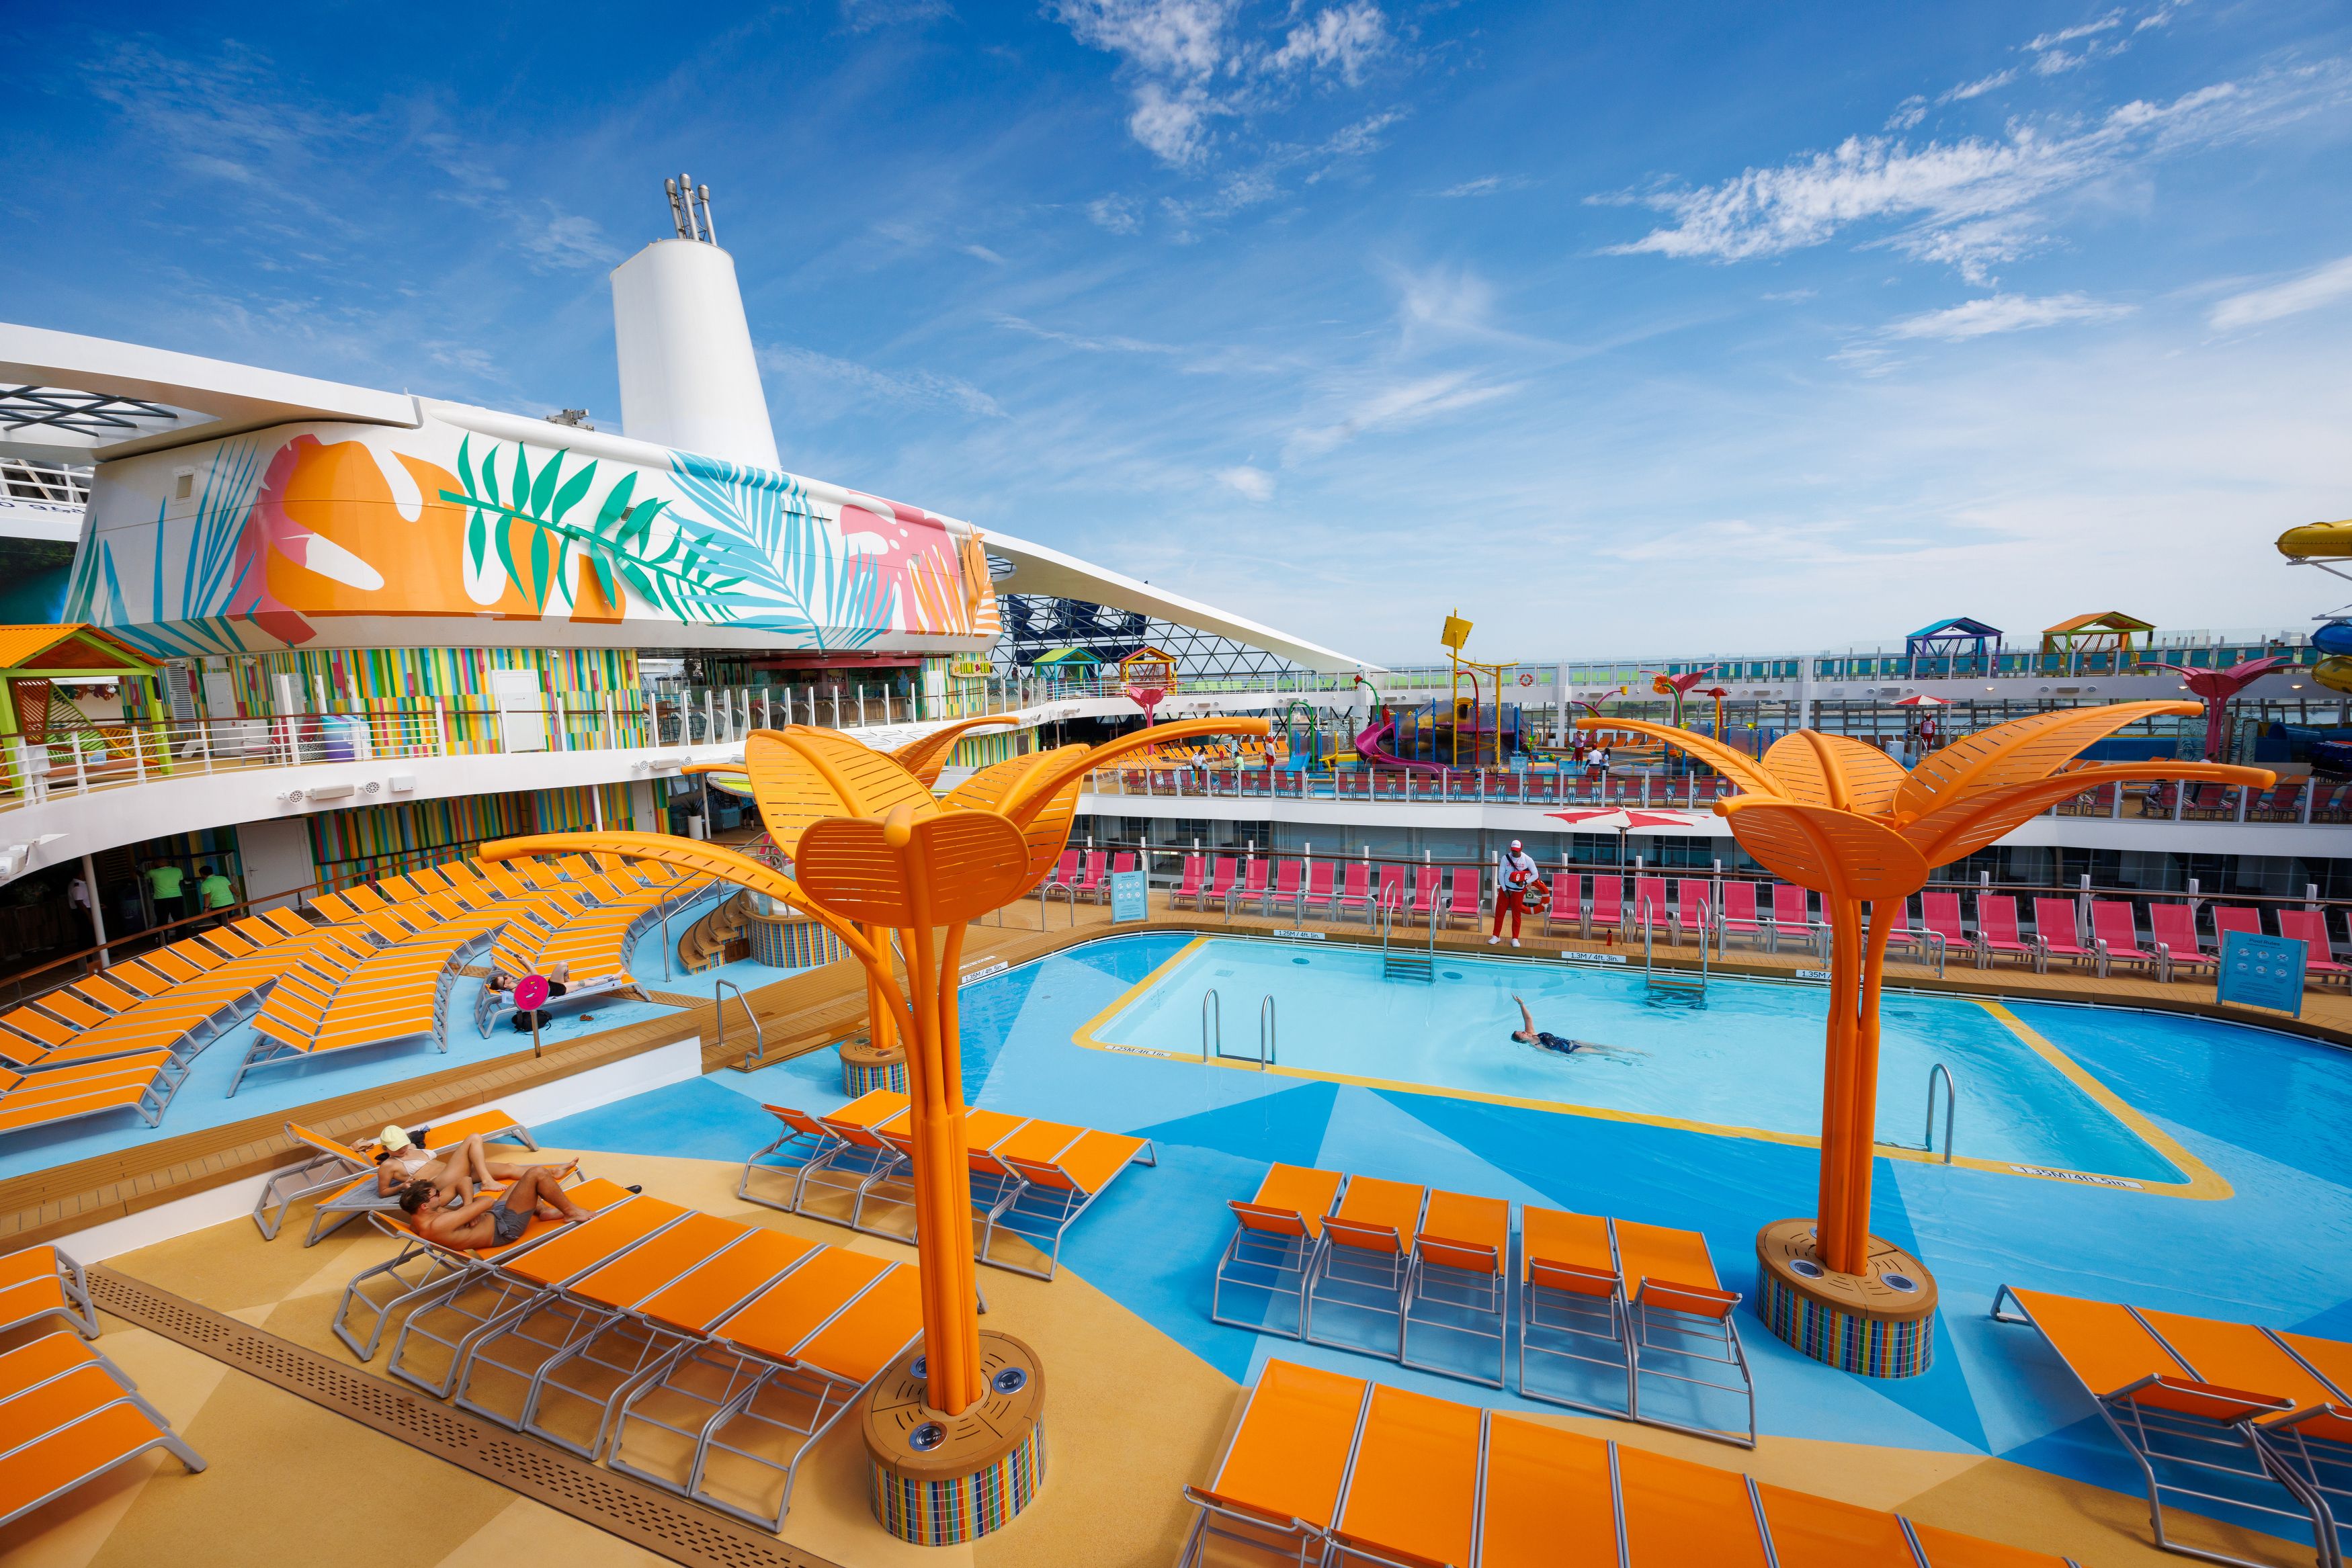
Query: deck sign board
{"x":1129,"y":900}
{"x":2263,"y":971}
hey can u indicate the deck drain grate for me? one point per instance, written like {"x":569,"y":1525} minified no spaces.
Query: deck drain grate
{"x":643,"y":1515}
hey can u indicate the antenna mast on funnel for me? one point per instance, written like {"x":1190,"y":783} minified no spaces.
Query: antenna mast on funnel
{"x":684,"y":194}
{"x":689,"y":377}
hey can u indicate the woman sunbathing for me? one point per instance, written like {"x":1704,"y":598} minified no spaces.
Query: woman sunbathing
{"x":453,"y":1175}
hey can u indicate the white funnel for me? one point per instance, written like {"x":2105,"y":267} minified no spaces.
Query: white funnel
{"x":688,"y":377}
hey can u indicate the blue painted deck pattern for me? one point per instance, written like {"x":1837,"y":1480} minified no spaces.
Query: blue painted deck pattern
{"x":2266,"y":1111}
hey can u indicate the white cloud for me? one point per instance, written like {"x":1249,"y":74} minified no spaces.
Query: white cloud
{"x":1345,"y":37}
{"x":1254,"y":483}
{"x":1189,"y":65}
{"x":2320,"y":286}
{"x":1093,"y":345}
{"x":2106,"y":24}
{"x":1907,"y":113}
{"x":1391,"y":407}
{"x":1978,"y":87}
{"x":1969,"y":203}
{"x":915,"y":387}
{"x":2003,"y":313}
{"x":1115,"y":212}
{"x":981,"y":253}
{"x":1483,"y":185}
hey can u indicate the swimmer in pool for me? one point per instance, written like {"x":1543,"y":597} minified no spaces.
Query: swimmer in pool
{"x":1544,"y":1039}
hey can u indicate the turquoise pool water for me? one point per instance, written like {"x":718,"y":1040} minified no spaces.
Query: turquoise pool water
{"x":1743,"y":1055}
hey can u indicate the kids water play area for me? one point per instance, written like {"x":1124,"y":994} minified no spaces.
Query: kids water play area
{"x":589,"y":997}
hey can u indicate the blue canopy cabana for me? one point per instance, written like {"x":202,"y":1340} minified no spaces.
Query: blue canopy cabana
{"x":1944,"y":640}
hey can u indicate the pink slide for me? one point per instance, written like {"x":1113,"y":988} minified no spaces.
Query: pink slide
{"x":1373,"y":744}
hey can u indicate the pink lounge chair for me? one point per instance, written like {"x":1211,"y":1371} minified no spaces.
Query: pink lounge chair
{"x":1428,"y":890}
{"x":1608,"y":906}
{"x":1793,"y":917}
{"x":1066,"y":874}
{"x":1390,"y":895}
{"x":1287,"y":888}
{"x":1739,"y":916}
{"x":2172,"y":932}
{"x":1941,"y":912}
{"x":2055,"y":927}
{"x":1567,"y":907}
{"x":1123,"y":861}
{"x":2229,"y":918}
{"x":1998,"y":935}
{"x":1222,"y":882}
{"x":1465,"y":897}
{"x":2114,"y":931}
{"x":1320,"y":876}
{"x":2309,"y":926}
{"x":1693,"y":908}
{"x":1254,"y":888}
{"x":1356,"y":890}
{"x":1649,"y":904}
{"x":1093,"y":882}
{"x":1189,"y":890}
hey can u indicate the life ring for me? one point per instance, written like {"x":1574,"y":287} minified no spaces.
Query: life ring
{"x":1527,"y":680}
{"x":1536,"y":897}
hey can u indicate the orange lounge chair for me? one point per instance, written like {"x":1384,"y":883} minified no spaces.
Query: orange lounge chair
{"x":1642,"y":1297}
{"x":1324,"y":1468}
{"x":982,"y":1128}
{"x":795,"y":1148}
{"x":858,"y":1153}
{"x":390,"y":995}
{"x":1454,"y":1285}
{"x":333,"y":1165}
{"x":789,"y":1362}
{"x":422,"y":1269}
{"x":507,"y":1279}
{"x":1051,"y":1173}
{"x":38,"y":1282}
{"x":1413,"y":1488}
{"x":1277,"y":1235}
{"x":1282,"y":1476}
{"x":143,"y":1083}
{"x":1361,"y":1265}
{"x":67,"y":1415}
{"x":2196,"y":1398}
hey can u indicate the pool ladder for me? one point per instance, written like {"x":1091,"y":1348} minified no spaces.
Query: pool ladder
{"x":1213,"y":1031}
{"x":1403,"y":964}
{"x":1951,"y":1104}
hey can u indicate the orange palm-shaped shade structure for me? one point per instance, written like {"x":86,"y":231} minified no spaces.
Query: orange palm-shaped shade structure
{"x":1832,"y":814}
{"x":875,"y":852}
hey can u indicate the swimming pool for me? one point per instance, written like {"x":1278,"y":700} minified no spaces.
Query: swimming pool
{"x":1742,"y":1057}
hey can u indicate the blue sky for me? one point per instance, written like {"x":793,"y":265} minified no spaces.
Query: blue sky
{"x":1625,"y":330}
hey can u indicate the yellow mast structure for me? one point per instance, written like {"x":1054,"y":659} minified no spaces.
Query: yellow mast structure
{"x":1457,"y":633}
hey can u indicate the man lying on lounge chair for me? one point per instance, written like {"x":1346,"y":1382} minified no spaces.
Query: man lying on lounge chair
{"x":490,"y":1219}
{"x":454,"y":1175}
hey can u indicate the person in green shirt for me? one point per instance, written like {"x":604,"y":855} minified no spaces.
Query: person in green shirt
{"x":214,"y":890}
{"x":164,"y":882}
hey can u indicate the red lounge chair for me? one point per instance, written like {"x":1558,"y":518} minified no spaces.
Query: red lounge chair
{"x":2115,"y":933}
{"x":1567,"y":906}
{"x":2309,"y":926}
{"x":2172,"y":931}
{"x":1649,"y":902}
{"x":1739,"y":917}
{"x":1222,"y":883}
{"x":1121,"y":862}
{"x":1287,"y":888}
{"x":1608,"y":905}
{"x":1693,"y":908}
{"x":1189,"y":890}
{"x":1793,"y":917}
{"x":1465,"y":896}
{"x":1093,"y":882}
{"x":2055,"y":928}
{"x":1390,"y":896}
{"x":1941,"y":912}
{"x":1356,"y":894}
{"x":1254,"y":888}
{"x":1428,"y":890}
{"x":1320,"y":877}
{"x":1998,"y":935}
{"x":2229,"y":918}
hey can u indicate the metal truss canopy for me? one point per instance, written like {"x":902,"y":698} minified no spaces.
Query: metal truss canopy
{"x":1036,"y":623}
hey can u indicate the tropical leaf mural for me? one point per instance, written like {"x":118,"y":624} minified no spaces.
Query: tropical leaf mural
{"x":799,"y":576}
{"x":187,"y":614}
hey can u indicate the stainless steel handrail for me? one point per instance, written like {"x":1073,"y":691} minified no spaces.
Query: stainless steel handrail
{"x":1211,"y":1003}
{"x":1265,"y":1033}
{"x":1951,"y":1104}
{"x":718,"y":1011}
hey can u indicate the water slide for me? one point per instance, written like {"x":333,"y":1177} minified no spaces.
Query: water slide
{"x":1373,"y":743}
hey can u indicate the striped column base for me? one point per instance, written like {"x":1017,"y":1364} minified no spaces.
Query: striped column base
{"x":864,"y":1069}
{"x":783,"y":943}
{"x":1878,"y":1323}
{"x":942,"y":1480}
